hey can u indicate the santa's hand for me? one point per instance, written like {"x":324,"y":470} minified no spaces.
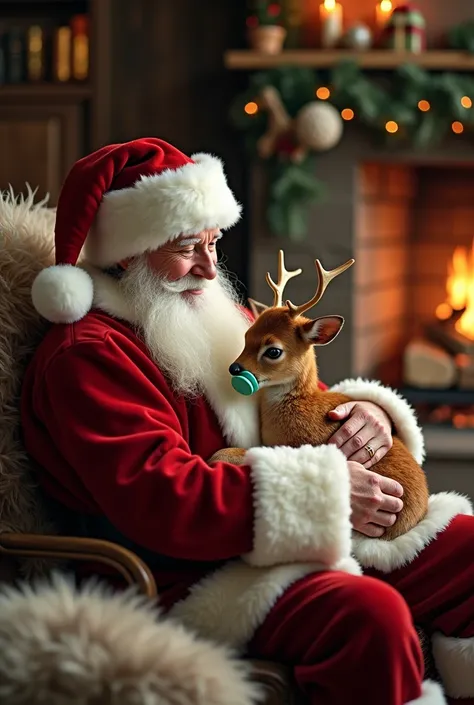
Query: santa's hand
{"x":366,"y":436}
{"x":375,"y":500}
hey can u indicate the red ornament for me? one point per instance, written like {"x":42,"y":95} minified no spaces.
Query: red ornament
{"x":286,"y":144}
{"x":274,"y":10}
{"x":252,"y":21}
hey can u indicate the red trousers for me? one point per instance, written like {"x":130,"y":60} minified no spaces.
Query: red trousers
{"x":351,"y":640}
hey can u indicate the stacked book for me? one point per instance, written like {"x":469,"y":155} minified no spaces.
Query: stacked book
{"x":35,"y":54}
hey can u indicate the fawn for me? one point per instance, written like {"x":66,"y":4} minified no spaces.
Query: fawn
{"x":279,"y":362}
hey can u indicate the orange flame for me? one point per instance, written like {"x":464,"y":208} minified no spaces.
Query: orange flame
{"x":458,"y":279}
{"x":460,"y":291}
{"x":465,"y":325}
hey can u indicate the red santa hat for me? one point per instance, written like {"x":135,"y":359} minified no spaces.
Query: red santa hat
{"x":120,"y":202}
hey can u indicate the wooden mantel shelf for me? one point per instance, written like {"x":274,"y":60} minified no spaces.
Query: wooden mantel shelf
{"x":378,"y":59}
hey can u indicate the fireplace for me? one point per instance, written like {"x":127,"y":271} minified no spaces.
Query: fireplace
{"x":414,"y":239}
{"x":415,"y":249}
{"x":401,"y":215}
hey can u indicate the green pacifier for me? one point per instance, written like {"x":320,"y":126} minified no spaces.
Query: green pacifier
{"x":245,"y":383}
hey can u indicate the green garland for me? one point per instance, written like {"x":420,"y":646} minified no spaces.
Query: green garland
{"x":461,"y":37}
{"x":292,"y":187}
{"x":374,"y":100}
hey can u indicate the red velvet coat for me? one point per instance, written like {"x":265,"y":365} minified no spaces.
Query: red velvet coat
{"x":126,"y":458}
{"x":112,"y":439}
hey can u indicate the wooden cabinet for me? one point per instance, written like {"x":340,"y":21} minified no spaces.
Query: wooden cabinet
{"x":46,"y":126}
{"x":39,"y":145}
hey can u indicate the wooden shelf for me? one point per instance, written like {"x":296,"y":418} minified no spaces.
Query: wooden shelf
{"x":378,"y":59}
{"x":46,"y":91}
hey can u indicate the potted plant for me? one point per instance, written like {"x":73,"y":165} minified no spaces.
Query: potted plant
{"x":265,"y":32}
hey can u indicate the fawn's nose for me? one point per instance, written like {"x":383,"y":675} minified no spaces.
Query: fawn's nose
{"x":235,"y":368}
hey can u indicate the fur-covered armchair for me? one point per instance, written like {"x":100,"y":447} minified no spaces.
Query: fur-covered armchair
{"x":26,"y":246}
{"x":28,"y":534}
{"x":60,"y":644}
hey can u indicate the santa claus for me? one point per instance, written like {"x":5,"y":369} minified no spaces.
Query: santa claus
{"x":128,"y":397}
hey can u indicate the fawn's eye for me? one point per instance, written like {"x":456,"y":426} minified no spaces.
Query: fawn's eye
{"x":273,"y":353}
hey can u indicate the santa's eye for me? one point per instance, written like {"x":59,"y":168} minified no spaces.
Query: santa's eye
{"x":273,"y":353}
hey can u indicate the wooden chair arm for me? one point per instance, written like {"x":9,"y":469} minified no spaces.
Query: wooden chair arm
{"x":72,"y":548}
{"x":269,"y":671}
{"x":279,"y":687}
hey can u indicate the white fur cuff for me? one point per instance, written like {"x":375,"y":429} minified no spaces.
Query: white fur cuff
{"x":431,"y":694}
{"x":387,"y":556}
{"x":454,"y":660}
{"x":302,"y":505}
{"x":229,"y":605}
{"x":401,"y":413}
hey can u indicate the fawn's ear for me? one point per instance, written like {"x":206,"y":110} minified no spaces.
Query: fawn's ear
{"x":322,"y":330}
{"x":256,"y":307}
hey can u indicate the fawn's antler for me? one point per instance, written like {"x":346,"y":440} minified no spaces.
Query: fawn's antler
{"x":284,"y":277}
{"x":324,"y":278}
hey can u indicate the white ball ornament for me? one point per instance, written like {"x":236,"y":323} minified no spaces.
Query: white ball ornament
{"x":358,"y":37}
{"x":318,"y":126}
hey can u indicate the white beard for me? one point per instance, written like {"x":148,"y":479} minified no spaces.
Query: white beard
{"x":193,"y":340}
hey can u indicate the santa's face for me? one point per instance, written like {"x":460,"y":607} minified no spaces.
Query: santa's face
{"x":189,"y":254}
{"x":187,"y":312}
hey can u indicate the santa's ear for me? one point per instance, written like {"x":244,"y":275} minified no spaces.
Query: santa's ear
{"x":322,"y":330}
{"x":256,"y":307}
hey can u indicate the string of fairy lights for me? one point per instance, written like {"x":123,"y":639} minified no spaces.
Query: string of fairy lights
{"x":391,"y":126}
{"x":407,"y":107}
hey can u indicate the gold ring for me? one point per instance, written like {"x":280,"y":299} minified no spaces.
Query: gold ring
{"x":370,"y":450}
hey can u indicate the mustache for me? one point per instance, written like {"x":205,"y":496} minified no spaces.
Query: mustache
{"x":186,"y":283}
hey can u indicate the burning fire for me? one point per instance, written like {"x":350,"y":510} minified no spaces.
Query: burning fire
{"x":460,"y":291}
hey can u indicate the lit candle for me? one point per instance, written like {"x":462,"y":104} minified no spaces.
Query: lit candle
{"x":383,"y":10}
{"x":330,"y":13}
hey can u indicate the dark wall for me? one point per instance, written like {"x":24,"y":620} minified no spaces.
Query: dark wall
{"x":168,"y":81}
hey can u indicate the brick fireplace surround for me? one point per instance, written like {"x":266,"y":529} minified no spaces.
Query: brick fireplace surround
{"x":399,"y":214}
{"x":408,"y":221}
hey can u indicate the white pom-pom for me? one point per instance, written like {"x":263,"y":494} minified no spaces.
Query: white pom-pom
{"x":62,"y":293}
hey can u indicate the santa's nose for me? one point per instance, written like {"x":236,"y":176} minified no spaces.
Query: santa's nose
{"x":205,"y":267}
{"x":235,"y":368}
